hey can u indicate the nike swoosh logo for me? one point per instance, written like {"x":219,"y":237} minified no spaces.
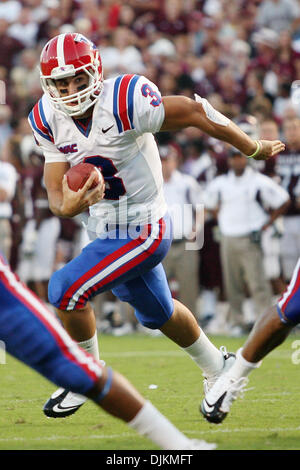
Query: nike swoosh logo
{"x":106,"y":130}
{"x":58,"y":408}
{"x":207,"y":407}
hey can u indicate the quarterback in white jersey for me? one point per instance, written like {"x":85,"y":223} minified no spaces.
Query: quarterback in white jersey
{"x":82,"y":118}
{"x":119,"y":141}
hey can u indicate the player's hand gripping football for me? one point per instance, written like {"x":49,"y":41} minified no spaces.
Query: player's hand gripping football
{"x":75,"y":202}
{"x":269,"y":148}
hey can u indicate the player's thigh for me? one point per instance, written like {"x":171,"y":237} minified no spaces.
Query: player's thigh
{"x":150,"y":296}
{"x":33,"y":335}
{"x":105,"y":263}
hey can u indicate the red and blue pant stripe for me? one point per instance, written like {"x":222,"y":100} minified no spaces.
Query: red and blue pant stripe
{"x":32,"y":334}
{"x":288,"y":306}
{"x":111,"y":263}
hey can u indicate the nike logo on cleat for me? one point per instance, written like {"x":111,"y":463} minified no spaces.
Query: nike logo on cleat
{"x":208,"y":408}
{"x":58,"y":408}
{"x":106,"y":130}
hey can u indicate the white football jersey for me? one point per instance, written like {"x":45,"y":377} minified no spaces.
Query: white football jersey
{"x":119,"y":141}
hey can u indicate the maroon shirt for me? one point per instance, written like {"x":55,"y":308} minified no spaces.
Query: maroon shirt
{"x":9,"y":47}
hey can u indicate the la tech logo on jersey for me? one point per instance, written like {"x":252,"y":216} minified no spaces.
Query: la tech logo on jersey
{"x":71,"y":148}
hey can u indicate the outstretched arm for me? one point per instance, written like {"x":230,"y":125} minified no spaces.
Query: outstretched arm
{"x":182,"y":112}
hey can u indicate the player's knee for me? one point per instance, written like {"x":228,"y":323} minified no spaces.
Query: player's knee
{"x":55,"y":289}
{"x":289,"y":316}
{"x":152,"y":325}
{"x":154,"y":322}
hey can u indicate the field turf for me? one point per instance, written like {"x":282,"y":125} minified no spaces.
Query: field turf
{"x":268,"y":417}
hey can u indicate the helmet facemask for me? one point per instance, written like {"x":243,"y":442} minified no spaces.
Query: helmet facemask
{"x":84,"y":98}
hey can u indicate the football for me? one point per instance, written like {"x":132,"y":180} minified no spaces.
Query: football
{"x":78,"y":175}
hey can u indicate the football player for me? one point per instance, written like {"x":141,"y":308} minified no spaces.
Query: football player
{"x":32,"y":334}
{"x":269,"y":331}
{"x":110,"y":123}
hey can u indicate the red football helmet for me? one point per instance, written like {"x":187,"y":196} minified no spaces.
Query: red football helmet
{"x":64,"y":56}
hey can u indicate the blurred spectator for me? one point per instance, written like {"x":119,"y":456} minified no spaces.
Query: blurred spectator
{"x":5,"y":127}
{"x":271,"y":236}
{"x":255,"y":92}
{"x":162,"y":48}
{"x":51,"y":23}
{"x":282,"y":101}
{"x":245,"y":203}
{"x":184,"y":197}
{"x":240,"y":58}
{"x":24,"y":29}
{"x":212,"y":7}
{"x":271,"y":239}
{"x":204,"y":161}
{"x":231,"y":91}
{"x":206,"y":76}
{"x":18,"y":147}
{"x":25,"y":76}
{"x":142,"y":6}
{"x":171,"y":19}
{"x":83,"y":26}
{"x":102,"y":17}
{"x":286,"y":58}
{"x":36,"y":263}
{"x":9,"y":47}
{"x":9,"y":10}
{"x":277,"y":14}
{"x":126,"y":16}
{"x":288,"y":168}
{"x":38,"y":10}
{"x":265,"y":42}
{"x":122,"y":56}
{"x":8,"y":180}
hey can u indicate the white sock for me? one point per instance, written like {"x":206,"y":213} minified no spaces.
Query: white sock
{"x":206,"y":355}
{"x":91,"y":346}
{"x":151,"y":423}
{"x":241,"y":367}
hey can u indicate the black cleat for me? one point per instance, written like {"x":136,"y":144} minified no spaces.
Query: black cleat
{"x":63,"y":403}
{"x":212,"y":413}
{"x":218,"y":401}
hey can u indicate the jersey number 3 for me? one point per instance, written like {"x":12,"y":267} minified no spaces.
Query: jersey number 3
{"x":114,"y":187}
{"x":148,"y":91}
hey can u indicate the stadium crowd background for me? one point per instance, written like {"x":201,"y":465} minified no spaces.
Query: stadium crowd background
{"x":243,"y":56}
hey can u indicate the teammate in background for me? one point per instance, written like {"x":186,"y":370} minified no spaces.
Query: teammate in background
{"x":110,"y":124}
{"x":270,"y":330}
{"x":52,"y":353}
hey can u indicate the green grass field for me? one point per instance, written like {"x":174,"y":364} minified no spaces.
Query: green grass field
{"x":266,"y":418}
